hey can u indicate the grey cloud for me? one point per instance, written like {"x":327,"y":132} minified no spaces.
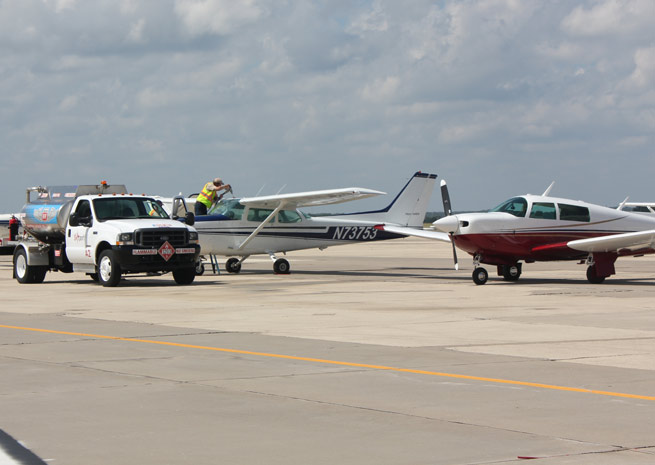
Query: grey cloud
{"x":496,"y":95}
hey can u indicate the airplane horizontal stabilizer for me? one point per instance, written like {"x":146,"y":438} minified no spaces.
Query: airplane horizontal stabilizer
{"x":426,"y":233}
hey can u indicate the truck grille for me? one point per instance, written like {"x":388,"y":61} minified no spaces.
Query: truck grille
{"x":154,"y":238}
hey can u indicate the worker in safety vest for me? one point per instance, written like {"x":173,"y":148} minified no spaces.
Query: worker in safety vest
{"x":209,"y":195}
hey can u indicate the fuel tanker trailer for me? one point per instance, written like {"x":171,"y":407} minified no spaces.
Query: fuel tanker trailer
{"x":102,"y":231}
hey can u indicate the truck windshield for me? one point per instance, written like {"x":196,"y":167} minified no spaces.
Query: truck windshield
{"x":112,"y":208}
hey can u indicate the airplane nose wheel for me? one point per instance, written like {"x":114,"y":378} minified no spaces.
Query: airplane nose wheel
{"x":480,"y":275}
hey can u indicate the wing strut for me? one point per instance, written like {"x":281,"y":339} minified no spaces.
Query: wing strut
{"x":261,"y":226}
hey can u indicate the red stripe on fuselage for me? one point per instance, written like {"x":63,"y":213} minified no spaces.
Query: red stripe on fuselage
{"x":509,"y":248}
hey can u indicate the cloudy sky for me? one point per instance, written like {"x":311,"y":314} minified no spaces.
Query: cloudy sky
{"x":499,"y":97}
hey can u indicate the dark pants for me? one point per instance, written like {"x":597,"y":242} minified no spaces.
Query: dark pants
{"x":200,"y":209}
{"x":13,"y":231}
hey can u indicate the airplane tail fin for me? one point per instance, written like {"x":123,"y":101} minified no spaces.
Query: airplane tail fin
{"x":408,"y":208}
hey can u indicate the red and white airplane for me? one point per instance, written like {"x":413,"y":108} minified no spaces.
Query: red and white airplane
{"x":532,"y":228}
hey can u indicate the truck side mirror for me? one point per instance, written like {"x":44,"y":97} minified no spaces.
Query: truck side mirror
{"x":190,"y":218}
{"x":74,"y":219}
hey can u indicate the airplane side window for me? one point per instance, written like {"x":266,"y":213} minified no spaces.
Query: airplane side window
{"x":288,"y":216}
{"x":258,"y":214}
{"x":543,"y":210}
{"x":573,"y":213}
{"x":516,"y":206}
{"x":638,"y":209}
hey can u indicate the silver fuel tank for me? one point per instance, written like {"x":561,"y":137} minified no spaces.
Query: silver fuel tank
{"x":47,"y":209}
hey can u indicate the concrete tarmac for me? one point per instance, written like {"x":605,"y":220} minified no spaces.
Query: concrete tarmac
{"x":377,"y":353}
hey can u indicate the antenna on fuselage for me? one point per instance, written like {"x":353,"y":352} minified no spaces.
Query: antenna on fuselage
{"x":622,"y":204}
{"x":260,"y":190}
{"x":281,"y":188}
{"x":547,"y":191}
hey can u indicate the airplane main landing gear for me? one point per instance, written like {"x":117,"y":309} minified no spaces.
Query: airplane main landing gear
{"x":592,"y":275}
{"x":233,"y":265}
{"x":281,"y":266}
{"x":480,"y":275}
{"x":510,"y":272}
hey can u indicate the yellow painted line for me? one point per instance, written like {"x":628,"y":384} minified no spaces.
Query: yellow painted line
{"x":335,"y":362}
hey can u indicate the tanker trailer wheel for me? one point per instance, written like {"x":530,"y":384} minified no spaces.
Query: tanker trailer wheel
{"x":109,"y":271}
{"x":23,"y":272}
{"x":184,"y":276}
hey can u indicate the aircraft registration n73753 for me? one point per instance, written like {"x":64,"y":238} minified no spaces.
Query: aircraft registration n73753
{"x":533,"y":228}
{"x":238,"y":228}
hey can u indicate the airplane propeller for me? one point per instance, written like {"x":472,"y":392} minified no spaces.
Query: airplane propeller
{"x":448,"y":211}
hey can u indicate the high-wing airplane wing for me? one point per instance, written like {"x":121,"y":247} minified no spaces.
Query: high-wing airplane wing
{"x":310,"y":199}
{"x":426,"y":233}
{"x":620,"y":243}
{"x":302,"y":199}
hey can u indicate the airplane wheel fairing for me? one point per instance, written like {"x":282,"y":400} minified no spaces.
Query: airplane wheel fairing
{"x":184,"y":276}
{"x":511,"y":272}
{"x":109,"y":271}
{"x":232,"y":265}
{"x":281,"y":266}
{"x":480,"y":276}
{"x":592,"y":275}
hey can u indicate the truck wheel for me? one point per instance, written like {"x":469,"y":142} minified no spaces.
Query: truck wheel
{"x":109,"y":271}
{"x":38,"y":273}
{"x":184,"y":275}
{"x":22,"y":271}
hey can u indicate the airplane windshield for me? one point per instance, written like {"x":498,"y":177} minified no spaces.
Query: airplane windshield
{"x":516,"y":206}
{"x":112,"y":208}
{"x":230,"y":208}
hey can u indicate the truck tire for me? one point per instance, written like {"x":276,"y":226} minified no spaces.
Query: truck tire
{"x":23,"y":272}
{"x":38,"y":273}
{"x":184,"y":276}
{"x":109,"y":271}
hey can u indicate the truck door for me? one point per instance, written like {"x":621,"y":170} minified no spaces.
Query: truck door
{"x":78,"y":247}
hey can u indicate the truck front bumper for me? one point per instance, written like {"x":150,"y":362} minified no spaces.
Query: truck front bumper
{"x":137,"y":259}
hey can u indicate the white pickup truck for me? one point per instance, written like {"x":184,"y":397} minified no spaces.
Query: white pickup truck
{"x":102,"y":231}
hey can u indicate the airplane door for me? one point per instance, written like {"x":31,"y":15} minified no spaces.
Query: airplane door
{"x":78,"y":248}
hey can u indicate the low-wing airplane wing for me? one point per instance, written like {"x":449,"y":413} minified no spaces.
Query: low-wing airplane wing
{"x":624,"y":244}
{"x":302,"y":199}
{"x":405,"y":231}
{"x":310,"y":199}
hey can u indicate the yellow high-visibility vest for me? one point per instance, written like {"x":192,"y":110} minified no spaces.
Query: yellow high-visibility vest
{"x":206,"y":197}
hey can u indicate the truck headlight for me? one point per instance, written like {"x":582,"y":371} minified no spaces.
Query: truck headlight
{"x":193,"y":236}
{"x":125,"y":239}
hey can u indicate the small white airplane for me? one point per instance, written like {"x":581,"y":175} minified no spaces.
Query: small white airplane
{"x":239,"y":228}
{"x":6,"y":242}
{"x":533,"y":228}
